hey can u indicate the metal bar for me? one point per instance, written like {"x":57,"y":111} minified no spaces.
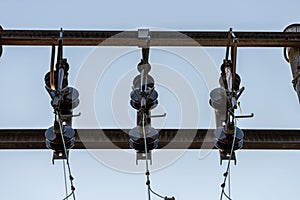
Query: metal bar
{"x":158,"y":38}
{"x":168,"y":139}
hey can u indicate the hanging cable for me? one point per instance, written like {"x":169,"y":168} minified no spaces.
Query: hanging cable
{"x":67,"y":156}
{"x":147,"y":167}
{"x":228,"y":169}
{"x":65,"y":177}
{"x":229,"y":182}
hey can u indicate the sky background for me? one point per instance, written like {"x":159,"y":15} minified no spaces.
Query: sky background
{"x":269,"y":94}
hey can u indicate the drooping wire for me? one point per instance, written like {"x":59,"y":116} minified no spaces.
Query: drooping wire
{"x":147,"y":167}
{"x":229,"y":182}
{"x":65,"y":177}
{"x":67,"y":156}
{"x":228,"y":170}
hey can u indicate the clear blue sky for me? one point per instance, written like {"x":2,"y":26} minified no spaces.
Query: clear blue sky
{"x":265,"y":74}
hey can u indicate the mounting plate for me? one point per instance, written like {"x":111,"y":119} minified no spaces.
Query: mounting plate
{"x":225,"y":155}
{"x":142,"y":156}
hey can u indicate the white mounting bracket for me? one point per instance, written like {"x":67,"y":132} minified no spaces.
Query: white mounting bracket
{"x":142,"y":156}
{"x":144,"y":38}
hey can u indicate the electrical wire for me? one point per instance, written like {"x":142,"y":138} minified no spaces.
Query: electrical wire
{"x":228,"y":170}
{"x":229,"y":182}
{"x":67,"y":157}
{"x":65,"y":177}
{"x":52,"y":85}
{"x":147,"y":167}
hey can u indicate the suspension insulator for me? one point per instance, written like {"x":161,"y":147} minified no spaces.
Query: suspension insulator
{"x":54,"y":140}
{"x":70,"y":95}
{"x":151,"y":100}
{"x":69,"y":100}
{"x":224,"y":141}
{"x":218,"y":99}
{"x":144,"y":66}
{"x":149,"y":82}
{"x":149,"y":93}
{"x":137,"y":142}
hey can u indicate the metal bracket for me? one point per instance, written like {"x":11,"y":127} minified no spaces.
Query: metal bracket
{"x":234,"y":38}
{"x":245,"y":116}
{"x":144,"y":38}
{"x":59,"y":155}
{"x":69,"y":116}
{"x":225,"y":155}
{"x":142,"y":156}
{"x":156,"y":116}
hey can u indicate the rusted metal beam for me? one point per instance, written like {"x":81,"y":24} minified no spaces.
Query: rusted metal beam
{"x":168,"y":139}
{"x":158,"y":38}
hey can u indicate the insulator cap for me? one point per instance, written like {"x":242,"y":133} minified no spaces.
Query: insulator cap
{"x":54,"y":140}
{"x":69,"y":101}
{"x":224,"y":141}
{"x":149,"y":82}
{"x":136,"y":140}
{"x":151,"y":100}
{"x":145,"y":66}
{"x":218,"y":99}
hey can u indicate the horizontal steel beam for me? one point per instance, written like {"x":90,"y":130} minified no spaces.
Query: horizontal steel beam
{"x":158,"y":38}
{"x":168,"y":139}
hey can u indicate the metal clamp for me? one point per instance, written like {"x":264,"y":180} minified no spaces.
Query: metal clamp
{"x":142,"y":156}
{"x":144,"y":38}
{"x":225,"y":155}
{"x":234,"y":38}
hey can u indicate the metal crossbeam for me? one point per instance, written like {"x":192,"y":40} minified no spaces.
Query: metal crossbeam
{"x":158,"y":38}
{"x":168,"y":138}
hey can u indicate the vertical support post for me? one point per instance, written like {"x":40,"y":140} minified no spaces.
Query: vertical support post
{"x":1,"y":49}
{"x":292,"y":55}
